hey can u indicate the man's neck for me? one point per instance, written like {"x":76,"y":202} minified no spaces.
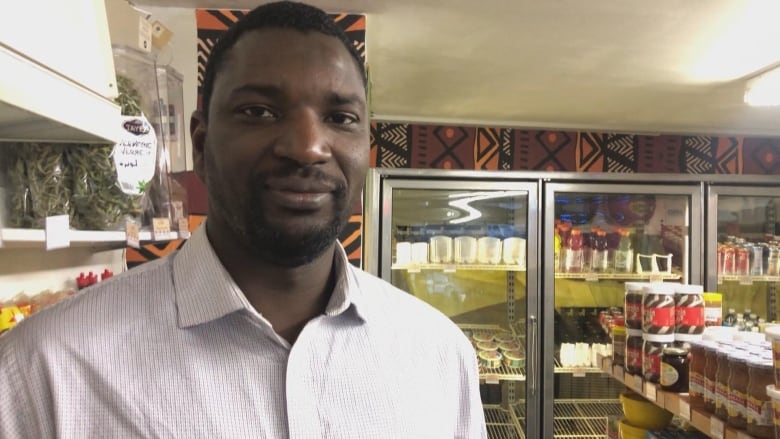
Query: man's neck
{"x":288,"y":297}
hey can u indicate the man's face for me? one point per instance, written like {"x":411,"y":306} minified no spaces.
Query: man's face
{"x":284,"y":153}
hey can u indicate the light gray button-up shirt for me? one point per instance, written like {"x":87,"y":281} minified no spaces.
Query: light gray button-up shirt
{"x":173,"y":349}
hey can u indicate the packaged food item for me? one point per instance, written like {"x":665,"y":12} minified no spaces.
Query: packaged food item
{"x":713,"y":309}
{"x":737,"y":390}
{"x":696,"y":374}
{"x":619,"y":346}
{"x":689,"y":310}
{"x":652,"y":351}
{"x":634,"y":351}
{"x":675,"y":369}
{"x":658,"y":310}
{"x":487,"y":346}
{"x":514,"y":359}
{"x":490,"y":359}
{"x":633,"y":304}
{"x":760,"y":423}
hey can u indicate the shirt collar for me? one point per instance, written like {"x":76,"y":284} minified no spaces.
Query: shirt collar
{"x":205,"y":291}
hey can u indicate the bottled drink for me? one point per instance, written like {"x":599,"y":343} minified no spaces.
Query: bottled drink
{"x":574,"y":252}
{"x":565,"y":231}
{"x":599,"y":258}
{"x":587,"y":252}
{"x":624,"y":254}
{"x":731,"y":318}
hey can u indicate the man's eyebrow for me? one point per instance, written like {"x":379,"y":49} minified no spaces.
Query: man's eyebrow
{"x":346,"y":99}
{"x":257,"y":89}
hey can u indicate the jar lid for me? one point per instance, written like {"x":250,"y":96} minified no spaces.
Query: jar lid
{"x":662,"y":288}
{"x":634,"y":332}
{"x":688,"y":289}
{"x":675,"y":351}
{"x":658,"y":338}
{"x":635,"y":286}
{"x":618,"y":330}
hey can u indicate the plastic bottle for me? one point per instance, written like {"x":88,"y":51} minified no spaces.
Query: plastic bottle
{"x":565,"y":231}
{"x":600,"y":259}
{"x":624,"y":255}
{"x":588,"y":242}
{"x":731,"y":318}
{"x":574,"y":252}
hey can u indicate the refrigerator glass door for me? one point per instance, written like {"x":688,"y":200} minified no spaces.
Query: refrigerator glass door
{"x":743,"y":253}
{"x":597,"y":238}
{"x":465,"y":246}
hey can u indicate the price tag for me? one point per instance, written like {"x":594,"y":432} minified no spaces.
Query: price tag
{"x":617,"y":371}
{"x":448,"y":268}
{"x":161,"y":228}
{"x":636,"y":382}
{"x":655,"y":278}
{"x":716,"y":428}
{"x":491,"y":379}
{"x":578,"y":372}
{"x":651,"y":392}
{"x":745,"y":280}
{"x":184,"y":228}
{"x":685,"y":410}
{"x":57,"y":232}
{"x":591,"y":277}
{"x":131,"y":232}
{"x":606,"y":364}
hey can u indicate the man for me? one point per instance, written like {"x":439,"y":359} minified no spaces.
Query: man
{"x":258,"y":327}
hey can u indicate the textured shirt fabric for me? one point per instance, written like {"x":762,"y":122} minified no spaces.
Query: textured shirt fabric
{"x":173,"y":349}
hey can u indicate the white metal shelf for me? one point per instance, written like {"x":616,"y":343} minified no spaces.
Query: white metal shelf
{"x":621,"y":276}
{"x":502,"y":423}
{"x":36,"y":238}
{"x":578,"y":418}
{"x":747,"y":279}
{"x":417,"y":267}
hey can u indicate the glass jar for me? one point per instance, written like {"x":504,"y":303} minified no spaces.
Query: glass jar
{"x":652,"y":351}
{"x":696,"y":374}
{"x":737,"y":389}
{"x":675,"y":369}
{"x":619,"y":346}
{"x":710,"y":375}
{"x":722,"y":384}
{"x":760,"y":421}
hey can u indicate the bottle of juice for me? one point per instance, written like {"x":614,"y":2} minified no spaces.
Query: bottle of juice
{"x":565,"y":231}
{"x":600,"y":259}
{"x":624,"y":254}
{"x":574,"y":252}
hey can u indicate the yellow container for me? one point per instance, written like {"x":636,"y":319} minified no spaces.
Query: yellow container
{"x":628,"y":431}
{"x":643,"y":413}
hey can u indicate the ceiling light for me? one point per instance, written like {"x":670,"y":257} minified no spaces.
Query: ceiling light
{"x":764,"y":89}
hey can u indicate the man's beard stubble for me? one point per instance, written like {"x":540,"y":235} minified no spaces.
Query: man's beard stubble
{"x":275,"y":243}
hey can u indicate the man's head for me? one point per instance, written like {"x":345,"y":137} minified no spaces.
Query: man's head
{"x":282,"y":141}
{"x":280,"y":15}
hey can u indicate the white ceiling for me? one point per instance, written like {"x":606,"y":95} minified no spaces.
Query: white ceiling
{"x":664,"y":66}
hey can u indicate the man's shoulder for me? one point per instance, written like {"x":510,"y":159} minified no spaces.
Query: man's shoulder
{"x":95,"y":309}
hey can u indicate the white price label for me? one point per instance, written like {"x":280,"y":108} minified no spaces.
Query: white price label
{"x":578,"y":372}
{"x":636,"y":383}
{"x":184,"y":228}
{"x":161,"y":228}
{"x":131,"y":232}
{"x":591,"y":277}
{"x":685,"y":410}
{"x":651,"y":392}
{"x":491,"y":379}
{"x":57,"y":232}
{"x":716,"y":428}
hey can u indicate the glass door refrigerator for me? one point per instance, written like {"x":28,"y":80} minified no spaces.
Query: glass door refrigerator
{"x":743,"y":248}
{"x":599,"y":234}
{"x":467,"y":243}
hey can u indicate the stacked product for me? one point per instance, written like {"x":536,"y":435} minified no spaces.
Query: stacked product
{"x":773,"y":389}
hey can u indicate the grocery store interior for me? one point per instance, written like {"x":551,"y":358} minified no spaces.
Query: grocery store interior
{"x":589,"y":190}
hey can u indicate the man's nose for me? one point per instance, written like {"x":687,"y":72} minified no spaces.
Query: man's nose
{"x":305,"y":139}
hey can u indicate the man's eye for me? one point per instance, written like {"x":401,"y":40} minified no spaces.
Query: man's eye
{"x":257,"y":112}
{"x":343,"y":119}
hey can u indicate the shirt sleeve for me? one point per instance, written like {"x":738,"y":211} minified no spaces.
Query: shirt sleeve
{"x":16,"y":413}
{"x":471,"y":416}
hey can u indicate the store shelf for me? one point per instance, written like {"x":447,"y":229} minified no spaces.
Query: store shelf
{"x":575,"y":370}
{"x":676,"y":403}
{"x":36,"y":238}
{"x":38,"y":113}
{"x":747,"y":280}
{"x":578,"y":418}
{"x":502,"y":423}
{"x":503,"y":373}
{"x":652,"y":277}
{"x":450,"y":268}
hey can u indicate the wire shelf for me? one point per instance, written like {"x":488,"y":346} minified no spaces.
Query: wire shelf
{"x":581,"y":419}
{"x":502,"y":423}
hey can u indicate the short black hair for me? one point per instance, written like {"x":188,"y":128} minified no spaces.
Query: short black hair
{"x":279,"y":15}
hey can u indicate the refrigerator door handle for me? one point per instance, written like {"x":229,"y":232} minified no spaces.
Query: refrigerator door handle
{"x":531,"y":369}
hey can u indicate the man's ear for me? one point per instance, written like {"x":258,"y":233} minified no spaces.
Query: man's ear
{"x":198,"y":136}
